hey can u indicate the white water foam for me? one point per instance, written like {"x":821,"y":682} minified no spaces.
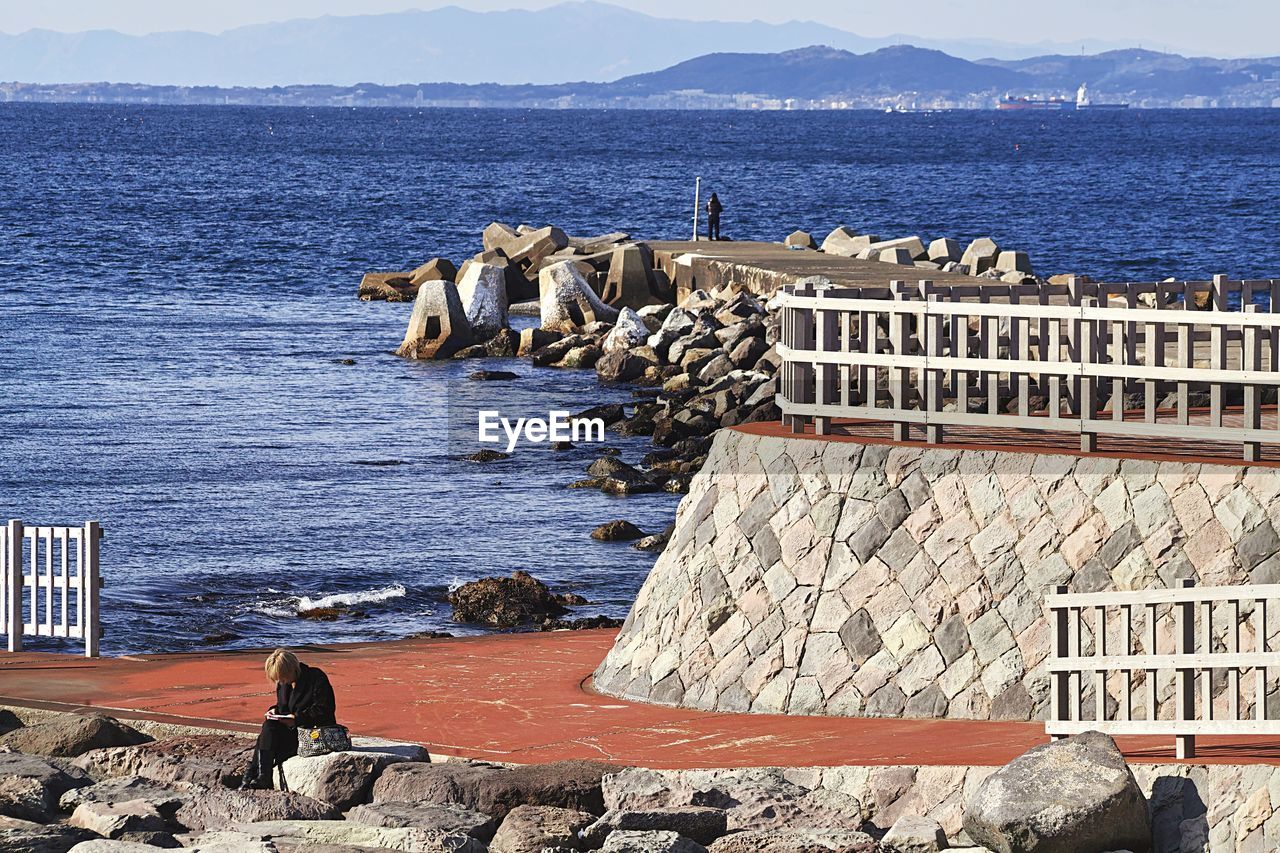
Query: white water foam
{"x":347,"y":599}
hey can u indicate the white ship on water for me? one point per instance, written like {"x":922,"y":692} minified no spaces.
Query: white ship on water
{"x":1056,"y":102}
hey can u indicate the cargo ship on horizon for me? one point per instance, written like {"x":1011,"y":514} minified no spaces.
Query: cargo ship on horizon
{"x":1056,"y":102}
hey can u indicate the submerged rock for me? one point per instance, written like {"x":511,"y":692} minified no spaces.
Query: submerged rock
{"x":617,"y":531}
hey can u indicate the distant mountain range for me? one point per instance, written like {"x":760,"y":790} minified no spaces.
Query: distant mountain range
{"x":587,"y":41}
{"x":808,"y":78}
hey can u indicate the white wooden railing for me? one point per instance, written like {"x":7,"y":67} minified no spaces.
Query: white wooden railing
{"x":1157,"y":640}
{"x":1039,"y":358}
{"x":49,"y":583}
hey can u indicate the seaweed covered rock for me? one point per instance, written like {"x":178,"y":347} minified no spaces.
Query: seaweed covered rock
{"x":505,"y":602}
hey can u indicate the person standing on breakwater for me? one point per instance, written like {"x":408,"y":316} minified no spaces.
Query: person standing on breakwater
{"x":304,"y":698}
{"x":714,"y":209}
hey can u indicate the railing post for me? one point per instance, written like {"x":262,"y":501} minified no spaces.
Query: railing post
{"x":1060,"y":707}
{"x":899,"y":377}
{"x":1088,"y":343}
{"x":824,"y":383}
{"x":92,"y":586}
{"x":1185,"y":633}
{"x":931,"y":331}
{"x":14,"y":581}
{"x":1251,"y":359}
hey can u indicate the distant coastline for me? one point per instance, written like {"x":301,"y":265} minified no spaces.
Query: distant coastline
{"x":491,"y":96}
{"x":897,"y":79}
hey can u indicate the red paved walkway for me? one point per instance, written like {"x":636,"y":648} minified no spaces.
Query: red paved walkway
{"x":521,"y":698}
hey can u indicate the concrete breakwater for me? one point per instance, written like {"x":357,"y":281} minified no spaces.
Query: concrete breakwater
{"x":816,"y":577}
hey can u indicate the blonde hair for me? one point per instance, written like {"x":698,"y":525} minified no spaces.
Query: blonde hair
{"x":283,"y":667}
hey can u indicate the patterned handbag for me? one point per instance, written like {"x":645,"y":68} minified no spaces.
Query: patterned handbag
{"x":322,"y":740}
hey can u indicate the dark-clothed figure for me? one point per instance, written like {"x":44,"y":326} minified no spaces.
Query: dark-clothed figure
{"x":714,"y":209}
{"x":304,"y":698}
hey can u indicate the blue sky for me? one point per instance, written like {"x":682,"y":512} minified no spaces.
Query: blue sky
{"x":1217,"y":27}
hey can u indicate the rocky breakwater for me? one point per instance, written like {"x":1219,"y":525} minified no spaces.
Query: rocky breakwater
{"x":706,"y":363}
{"x":817,"y":577}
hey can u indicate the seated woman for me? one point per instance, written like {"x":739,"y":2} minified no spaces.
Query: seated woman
{"x":304,"y":698}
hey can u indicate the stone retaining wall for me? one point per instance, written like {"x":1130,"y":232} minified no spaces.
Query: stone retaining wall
{"x":822,"y":577}
{"x":1193,"y":807}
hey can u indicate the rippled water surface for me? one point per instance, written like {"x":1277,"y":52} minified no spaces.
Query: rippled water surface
{"x":177,"y":296}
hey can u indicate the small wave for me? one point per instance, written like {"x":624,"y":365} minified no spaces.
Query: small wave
{"x":347,"y":599}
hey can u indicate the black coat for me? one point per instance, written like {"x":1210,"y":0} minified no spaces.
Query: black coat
{"x":310,"y":700}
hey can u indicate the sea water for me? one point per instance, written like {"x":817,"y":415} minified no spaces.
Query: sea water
{"x":177,"y":304}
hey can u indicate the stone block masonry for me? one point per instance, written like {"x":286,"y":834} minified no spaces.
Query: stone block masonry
{"x":840,"y":578}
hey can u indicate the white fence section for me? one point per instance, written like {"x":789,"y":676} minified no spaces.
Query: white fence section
{"x":49,"y":583}
{"x":1039,"y":358}
{"x":1158,"y":646}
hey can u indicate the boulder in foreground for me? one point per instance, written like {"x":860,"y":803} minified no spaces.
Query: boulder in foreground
{"x":31,"y":787}
{"x":439,"y":817}
{"x":915,"y":834}
{"x":493,"y":790}
{"x":69,"y":735}
{"x":532,"y":829}
{"x":208,"y":760}
{"x":796,"y":841}
{"x":319,"y":834}
{"x":22,"y":836}
{"x":1071,"y":796}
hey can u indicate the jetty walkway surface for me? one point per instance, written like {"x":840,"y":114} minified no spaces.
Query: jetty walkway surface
{"x":764,"y":267}
{"x":526,"y":698}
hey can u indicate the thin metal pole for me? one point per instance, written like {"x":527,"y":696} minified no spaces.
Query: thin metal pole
{"x":697,"y":205}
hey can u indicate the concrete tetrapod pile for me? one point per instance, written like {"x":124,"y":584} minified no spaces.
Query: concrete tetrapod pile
{"x":982,"y":258}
